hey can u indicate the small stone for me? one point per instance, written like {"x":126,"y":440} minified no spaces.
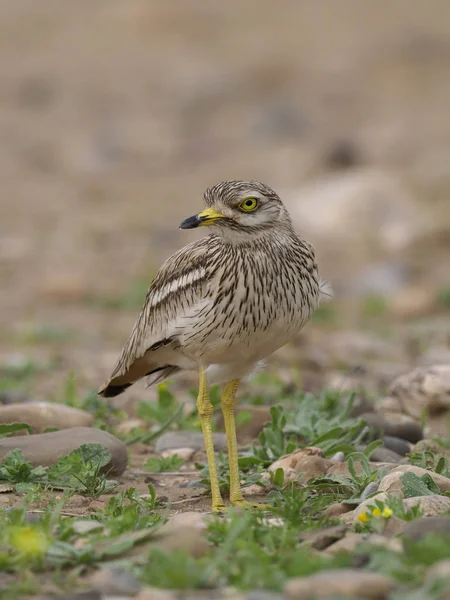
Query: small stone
{"x":348,"y":583}
{"x":368,"y":505}
{"x":85,"y":595}
{"x":309,"y":462}
{"x":188,"y":439}
{"x":182,"y":537}
{"x":84,"y":526}
{"x":152,"y":593}
{"x":337,"y":509}
{"x":184,"y":453}
{"x":418,"y":529}
{"x":115,"y":581}
{"x":392,"y":482}
{"x":423,"y":388}
{"x":321,"y":539}
{"x":432,"y":505}
{"x":385,"y":455}
{"x":397,"y":445}
{"x":432,"y":446}
{"x":185,"y":519}
{"x":371,"y":488}
{"x":46,"y":448}
{"x":339,"y":457}
{"x":44,"y":415}
{"x":13,"y":397}
{"x":440,"y":570}
{"x":409,"y":431}
{"x":126,"y":427}
{"x":352,"y":540}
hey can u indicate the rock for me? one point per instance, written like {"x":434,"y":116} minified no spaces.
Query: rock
{"x":307,"y":461}
{"x":382,"y":454}
{"x":186,"y":519}
{"x":115,"y":581}
{"x":250,"y":421}
{"x":347,"y":583}
{"x":440,"y":570}
{"x":397,"y":445}
{"x":321,"y":539}
{"x":392,"y":483}
{"x":13,"y":397}
{"x":127,"y":426}
{"x":423,"y":388}
{"x":409,"y":431}
{"x":184,"y":453}
{"x":338,"y":457}
{"x":432,"y":505}
{"x":352,"y":540}
{"x":371,"y":488}
{"x":337,"y":509}
{"x":418,"y":529}
{"x":152,"y":593}
{"x":44,"y":415}
{"x":368,"y":505}
{"x":46,"y":448}
{"x":190,"y":538}
{"x":84,"y":595}
{"x":188,"y":439}
{"x":432,"y":446}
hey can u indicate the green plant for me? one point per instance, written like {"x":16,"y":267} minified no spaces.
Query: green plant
{"x":160,"y":464}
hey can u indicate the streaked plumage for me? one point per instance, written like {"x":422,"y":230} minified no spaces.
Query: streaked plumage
{"x":225,"y":302}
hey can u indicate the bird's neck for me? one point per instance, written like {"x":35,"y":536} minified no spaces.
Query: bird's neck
{"x":238,"y":237}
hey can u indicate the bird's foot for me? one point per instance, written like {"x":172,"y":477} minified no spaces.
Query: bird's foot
{"x":245,"y":504}
{"x":218,"y":507}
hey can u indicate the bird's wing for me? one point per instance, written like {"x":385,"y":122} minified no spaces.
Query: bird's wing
{"x":181,"y":285}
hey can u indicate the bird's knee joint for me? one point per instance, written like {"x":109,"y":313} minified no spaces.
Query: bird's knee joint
{"x":205,"y":411}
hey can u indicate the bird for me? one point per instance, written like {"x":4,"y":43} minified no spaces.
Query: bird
{"x":221,"y":305}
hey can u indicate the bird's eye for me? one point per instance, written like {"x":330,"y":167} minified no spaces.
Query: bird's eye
{"x":248,"y":204}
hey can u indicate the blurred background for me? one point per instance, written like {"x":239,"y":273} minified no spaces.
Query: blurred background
{"x":115,"y":116}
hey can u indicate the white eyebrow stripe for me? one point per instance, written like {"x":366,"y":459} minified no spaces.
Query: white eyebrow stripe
{"x":178,"y":284}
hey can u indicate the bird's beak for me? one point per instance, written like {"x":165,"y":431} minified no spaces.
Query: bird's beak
{"x":207,"y":217}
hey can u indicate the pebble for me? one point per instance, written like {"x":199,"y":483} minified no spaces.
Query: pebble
{"x":46,"y":448}
{"x":339,"y":457}
{"x":382,"y":454}
{"x":348,"y":583}
{"x":397,"y":445}
{"x":423,"y":388}
{"x":309,"y":462}
{"x":184,"y":453}
{"x":127,"y":426}
{"x":418,"y":529}
{"x":370,"y":489}
{"x":392,"y":482}
{"x":432,"y":446}
{"x":185,"y":519}
{"x":337,"y":509}
{"x":152,"y":593}
{"x":321,"y":539}
{"x":13,"y":397}
{"x":409,"y":431}
{"x":115,"y":581}
{"x":188,"y":439}
{"x":44,"y":415}
{"x":352,"y":540}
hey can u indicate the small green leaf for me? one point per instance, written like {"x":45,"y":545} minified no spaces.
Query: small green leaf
{"x":9,"y":428}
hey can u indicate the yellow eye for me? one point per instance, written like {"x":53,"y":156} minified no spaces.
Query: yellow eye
{"x":248,"y":204}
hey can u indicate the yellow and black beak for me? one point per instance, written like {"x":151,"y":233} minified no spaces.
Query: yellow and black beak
{"x":207,"y":217}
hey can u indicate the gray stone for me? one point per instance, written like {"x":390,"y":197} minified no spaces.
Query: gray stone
{"x":339,"y":457}
{"x":13,"y":397}
{"x":370,"y":489}
{"x":188,"y":439}
{"x":45,"y":415}
{"x":409,"y":431}
{"x":321,"y":539}
{"x":397,"y":445}
{"x":418,"y":529}
{"x":46,"y":448}
{"x":115,"y":581}
{"x":349,"y":583}
{"x":385,"y":455}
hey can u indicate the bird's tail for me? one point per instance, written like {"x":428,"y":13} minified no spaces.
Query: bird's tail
{"x":325,"y":291}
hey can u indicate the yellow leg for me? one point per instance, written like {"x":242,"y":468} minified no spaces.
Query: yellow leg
{"x":228,"y":403}
{"x":205,"y":411}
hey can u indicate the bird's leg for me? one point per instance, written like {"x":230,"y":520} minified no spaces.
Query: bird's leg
{"x":228,"y":403}
{"x":205,"y":411}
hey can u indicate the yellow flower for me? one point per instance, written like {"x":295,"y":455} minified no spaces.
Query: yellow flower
{"x":363,"y":517}
{"x":28,"y":541}
{"x":387,"y":513}
{"x":376,"y":512}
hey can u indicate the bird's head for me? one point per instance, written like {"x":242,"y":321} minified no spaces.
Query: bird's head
{"x":240,"y":207}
